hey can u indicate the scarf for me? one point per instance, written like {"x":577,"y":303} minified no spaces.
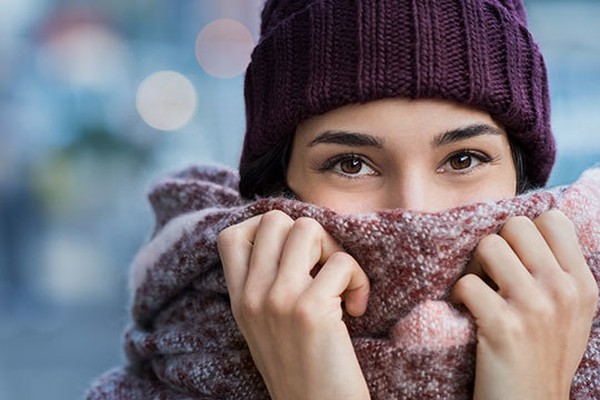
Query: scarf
{"x":183,"y":343}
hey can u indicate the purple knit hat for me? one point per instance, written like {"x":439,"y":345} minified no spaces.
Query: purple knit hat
{"x":317,"y":55}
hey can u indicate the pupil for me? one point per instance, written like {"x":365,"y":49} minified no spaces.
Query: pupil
{"x":351,"y":166}
{"x":461,"y":162}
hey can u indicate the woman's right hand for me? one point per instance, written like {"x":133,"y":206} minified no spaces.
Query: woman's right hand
{"x":287,"y":280}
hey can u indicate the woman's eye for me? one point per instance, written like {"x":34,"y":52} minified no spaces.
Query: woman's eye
{"x":464,"y":161}
{"x":349,"y":166}
{"x":461,"y":161}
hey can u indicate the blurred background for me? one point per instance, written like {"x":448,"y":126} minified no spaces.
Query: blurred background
{"x":99,"y":98}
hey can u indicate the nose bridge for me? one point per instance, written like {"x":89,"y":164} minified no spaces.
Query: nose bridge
{"x":412,"y":192}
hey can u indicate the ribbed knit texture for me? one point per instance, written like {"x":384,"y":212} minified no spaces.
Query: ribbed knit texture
{"x":318,"y":55}
{"x":183,"y":343}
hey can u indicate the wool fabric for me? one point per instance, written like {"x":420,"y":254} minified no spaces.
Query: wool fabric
{"x":183,"y":342}
{"x":317,"y":55}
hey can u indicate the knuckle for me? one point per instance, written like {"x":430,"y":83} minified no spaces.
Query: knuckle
{"x":490,"y":244}
{"x":309,"y":229}
{"x":572,"y":293}
{"x":343,"y":259}
{"x":590,"y":293}
{"x":249,"y":308}
{"x":492,"y":240}
{"x":508,"y":326}
{"x":542,"y":310}
{"x":555,"y":216}
{"x":568,"y":296}
{"x":307,"y":224}
{"x":555,"y":219}
{"x":275,"y":217}
{"x":228,"y":236}
{"x":572,"y":299}
{"x":305,"y":313}
{"x":275,"y":304}
{"x":464,"y":284}
{"x":516,"y":224}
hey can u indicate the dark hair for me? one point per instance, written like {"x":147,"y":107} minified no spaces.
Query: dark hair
{"x":266,"y":176}
{"x":518,"y":156}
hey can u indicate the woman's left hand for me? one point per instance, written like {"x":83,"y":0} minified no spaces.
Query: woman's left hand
{"x":533,"y":327}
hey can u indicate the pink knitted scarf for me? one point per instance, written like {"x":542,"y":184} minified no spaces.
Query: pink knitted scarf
{"x":183,"y":343}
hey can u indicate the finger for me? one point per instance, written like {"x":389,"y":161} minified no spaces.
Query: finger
{"x":307,"y":245}
{"x":477,"y":296}
{"x":341,"y":277}
{"x":560,"y":235}
{"x":235,"y":249}
{"x":527,"y":242}
{"x":496,"y":259}
{"x":475,"y":268}
{"x":269,"y":241}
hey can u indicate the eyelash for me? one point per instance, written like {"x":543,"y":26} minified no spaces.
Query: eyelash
{"x":481,"y":157}
{"x":331,"y":163}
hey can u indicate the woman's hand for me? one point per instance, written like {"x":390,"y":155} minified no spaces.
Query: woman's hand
{"x":287,"y":280}
{"x":533,"y":330}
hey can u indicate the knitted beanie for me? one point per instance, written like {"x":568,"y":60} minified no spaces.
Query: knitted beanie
{"x":317,"y":55}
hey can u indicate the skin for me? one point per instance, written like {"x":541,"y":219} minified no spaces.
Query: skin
{"x":533,"y":316}
{"x":409,"y":168}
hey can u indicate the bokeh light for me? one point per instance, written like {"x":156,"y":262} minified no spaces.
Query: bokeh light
{"x":223,"y":48}
{"x":166,"y":100}
{"x":84,"y":54}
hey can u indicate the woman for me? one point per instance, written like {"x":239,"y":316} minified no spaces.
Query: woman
{"x":363,"y":110}
{"x":415,"y":105}
{"x":392,"y":154}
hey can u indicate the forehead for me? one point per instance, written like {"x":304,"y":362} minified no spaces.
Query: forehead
{"x":396,"y":118}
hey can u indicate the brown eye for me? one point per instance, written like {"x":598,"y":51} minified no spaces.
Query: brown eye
{"x":464,"y":162}
{"x":461,"y":161}
{"x":348,"y":166}
{"x":351,"y":166}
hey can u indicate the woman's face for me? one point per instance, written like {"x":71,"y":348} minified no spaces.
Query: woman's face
{"x":426,"y":155}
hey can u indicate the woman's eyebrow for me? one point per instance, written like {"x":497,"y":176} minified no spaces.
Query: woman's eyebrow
{"x":463,"y":133}
{"x":353,"y":139}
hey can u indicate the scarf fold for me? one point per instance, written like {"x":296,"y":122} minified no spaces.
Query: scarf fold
{"x":183,"y":343}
